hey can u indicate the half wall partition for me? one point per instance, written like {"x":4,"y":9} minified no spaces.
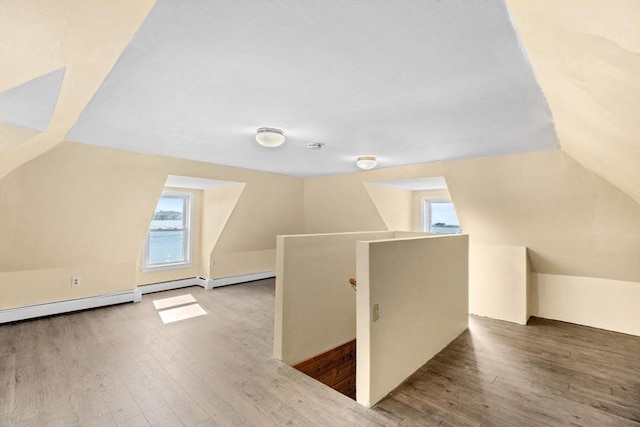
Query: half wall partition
{"x":411,"y":301}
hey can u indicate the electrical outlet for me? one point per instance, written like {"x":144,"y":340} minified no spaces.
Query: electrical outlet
{"x":75,"y":281}
{"x":213,"y":263}
{"x":376,"y":312}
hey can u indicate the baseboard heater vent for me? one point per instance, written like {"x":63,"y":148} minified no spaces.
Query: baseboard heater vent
{"x":335,"y":368}
{"x":58,"y":307}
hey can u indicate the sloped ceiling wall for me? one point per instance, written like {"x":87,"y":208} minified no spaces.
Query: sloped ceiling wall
{"x":39,"y":37}
{"x":586,"y":56}
{"x":599,"y":107}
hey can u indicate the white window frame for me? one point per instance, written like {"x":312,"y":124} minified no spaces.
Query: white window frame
{"x":187,"y":240}
{"x":425,"y":211}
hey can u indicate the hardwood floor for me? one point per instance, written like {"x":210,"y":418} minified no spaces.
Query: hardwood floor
{"x":336,"y":368}
{"x":121,"y":366}
{"x":547,"y":373}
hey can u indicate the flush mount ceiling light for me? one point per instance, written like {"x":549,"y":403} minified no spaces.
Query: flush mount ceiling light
{"x":270,"y":137}
{"x":366,"y":162}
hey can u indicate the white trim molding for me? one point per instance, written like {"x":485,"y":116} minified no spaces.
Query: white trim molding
{"x":234,"y":280}
{"x":205,"y":283}
{"x":135,"y":295}
{"x":173,"y":284}
{"x":51,"y":308}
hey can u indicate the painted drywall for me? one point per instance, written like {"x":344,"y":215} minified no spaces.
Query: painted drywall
{"x":217,"y":205}
{"x":39,"y":37}
{"x":393,"y":204}
{"x":23,"y":288}
{"x":242,"y":263}
{"x":586,"y":57}
{"x":339,"y":204}
{"x":315,"y":305}
{"x":498,"y":279}
{"x":573,"y":221}
{"x":79,"y":206}
{"x":421,"y":288}
{"x":606,"y":304}
{"x":405,"y":234}
{"x":76,"y":205}
{"x":269,"y":205}
{"x":11,"y":136}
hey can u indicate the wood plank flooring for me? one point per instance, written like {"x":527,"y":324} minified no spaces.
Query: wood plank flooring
{"x":335,"y":368}
{"x":121,"y":366}
{"x":547,"y":373}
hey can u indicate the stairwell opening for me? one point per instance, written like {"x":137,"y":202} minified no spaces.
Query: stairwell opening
{"x":335,"y":368}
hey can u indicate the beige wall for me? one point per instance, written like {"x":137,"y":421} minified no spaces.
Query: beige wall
{"x":498,"y":282}
{"x":421,"y":288}
{"x":76,"y":205}
{"x":586,"y":58}
{"x":606,"y":304}
{"x":40,"y":37}
{"x":81,"y":208}
{"x":393,"y":204}
{"x":340,"y":203}
{"x":269,"y":205}
{"x":315,"y":305}
{"x":573,"y":222}
{"x":23,"y":288}
{"x":218,"y":204}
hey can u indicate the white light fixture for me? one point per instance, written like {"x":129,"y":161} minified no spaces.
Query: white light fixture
{"x":270,"y":137}
{"x":366,"y":162}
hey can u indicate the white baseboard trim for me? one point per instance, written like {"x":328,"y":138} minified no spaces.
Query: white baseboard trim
{"x":135,"y":295}
{"x":173,"y":284}
{"x":48,"y":309}
{"x":233,"y":280}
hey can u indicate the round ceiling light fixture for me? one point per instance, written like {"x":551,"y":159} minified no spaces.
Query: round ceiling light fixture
{"x":366,"y":162}
{"x":270,"y":137}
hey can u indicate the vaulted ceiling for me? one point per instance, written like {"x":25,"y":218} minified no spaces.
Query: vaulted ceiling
{"x":407,"y":82}
{"x":586,"y":57}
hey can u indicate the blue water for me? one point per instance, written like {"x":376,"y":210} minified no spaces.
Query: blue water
{"x":166,"y":246}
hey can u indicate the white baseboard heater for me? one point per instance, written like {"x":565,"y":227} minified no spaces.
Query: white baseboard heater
{"x":58,"y":307}
{"x":135,"y":295}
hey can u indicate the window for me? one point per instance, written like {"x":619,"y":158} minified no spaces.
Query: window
{"x":168,"y":243}
{"x":439,"y":216}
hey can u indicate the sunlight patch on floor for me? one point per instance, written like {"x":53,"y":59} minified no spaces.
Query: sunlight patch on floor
{"x":181,"y":313}
{"x":182,"y":308}
{"x":163,"y":303}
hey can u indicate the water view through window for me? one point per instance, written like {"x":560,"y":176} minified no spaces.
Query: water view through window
{"x":443,"y":218}
{"x":167,"y":232}
{"x":166,"y":242}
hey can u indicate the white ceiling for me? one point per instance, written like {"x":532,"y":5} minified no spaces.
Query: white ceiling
{"x":416,"y":184}
{"x":31,"y":104}
{"x":196,"y":183}
{"x":407,"y":82}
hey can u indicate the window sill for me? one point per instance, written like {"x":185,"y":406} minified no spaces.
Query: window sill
{"x":162,"y":267}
